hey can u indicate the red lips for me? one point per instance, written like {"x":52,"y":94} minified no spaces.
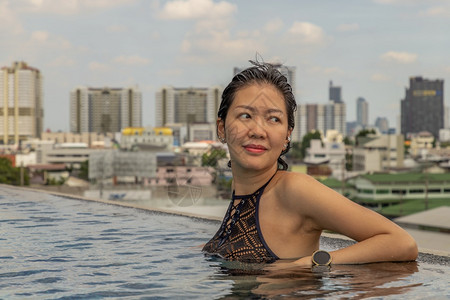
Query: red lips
{"x":255,"y":148}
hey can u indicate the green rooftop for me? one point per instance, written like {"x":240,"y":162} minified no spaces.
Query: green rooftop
{"x":334,"y":183}
{"x":407,"y":177}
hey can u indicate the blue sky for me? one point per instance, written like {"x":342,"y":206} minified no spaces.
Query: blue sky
{"x":368,"y":47}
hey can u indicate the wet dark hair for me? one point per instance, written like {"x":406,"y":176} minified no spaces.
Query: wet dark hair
{"x":261,"y":73}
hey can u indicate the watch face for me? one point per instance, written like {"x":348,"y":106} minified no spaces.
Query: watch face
{"x":322,"y":257}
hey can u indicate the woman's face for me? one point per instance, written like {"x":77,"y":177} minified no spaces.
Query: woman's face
{"x":256,"y":127}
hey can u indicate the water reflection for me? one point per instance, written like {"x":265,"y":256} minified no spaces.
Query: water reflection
{"x":341,"y":281}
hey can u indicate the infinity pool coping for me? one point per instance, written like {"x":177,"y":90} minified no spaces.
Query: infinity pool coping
{"x":427,"y":252}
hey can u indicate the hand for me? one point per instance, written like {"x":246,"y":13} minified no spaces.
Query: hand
{"x":304,"y":262}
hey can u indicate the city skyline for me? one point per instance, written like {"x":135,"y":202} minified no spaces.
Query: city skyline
{"x":368,"y":48}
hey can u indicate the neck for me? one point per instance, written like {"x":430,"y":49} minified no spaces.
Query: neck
{"x":246,"y":182}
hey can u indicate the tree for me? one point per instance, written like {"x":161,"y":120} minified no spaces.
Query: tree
{"x":295,"y":151}
{"x":10,"y":174}
{"x":210,"y":159}
{"x":84,"y":170}
{"x":306,"y":141}
{"x":348,"y":141}
{"x":364,"y":133}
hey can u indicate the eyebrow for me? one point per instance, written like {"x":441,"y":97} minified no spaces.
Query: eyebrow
{"x":252,"y":109}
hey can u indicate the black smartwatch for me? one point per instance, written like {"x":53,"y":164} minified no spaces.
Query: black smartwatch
{"x":321,"y":258}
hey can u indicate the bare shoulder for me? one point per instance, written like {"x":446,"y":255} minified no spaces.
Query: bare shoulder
{"x":292,"y":182}
{"x":305,"y":194}
{"x":297,"y":187}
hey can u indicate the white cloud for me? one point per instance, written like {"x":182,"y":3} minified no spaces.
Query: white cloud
{"x":307,"y":33}
{"x":41,"y":39}
{"x":399,"y":2}
{"x":40,"y":36}
{"x":211,"y":35}
{"x":379,"y":77}
{"x":333,"y":71}
{"x":68,"y":7}
{"x":438,"y":11}
{"x":219,"y":43}
{"x":399,"y":57}
{"x":62,"y":61}
{"x":273,"y":26}
{"x":196,"y":9}
{"x":9,"y":19}
{"x":171,"y":72}
{"x":324,"y":71}
{"x":132,"y":60}
{"x":96,"y":66}
{"x":348,"y":27}
{"x":117,"y":28}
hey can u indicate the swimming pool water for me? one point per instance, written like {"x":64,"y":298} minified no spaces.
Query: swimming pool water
{"x":54,"y":247}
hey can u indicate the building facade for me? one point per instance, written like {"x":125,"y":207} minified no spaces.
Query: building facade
{"x":156,"y":139}
{"x":321,"y":117}
{"x":187,"y":105}
{"x":382,"y":123}
{"x":334,"y":93}
{"x":378,"y":153}
{"x":105,"y":109}
{"x":421,"y":142}
{"x":402,"y":186}
{"x":21,"y":103}
{"x":91,"y":139}
{"x":362,"y":112}
{"x":331,"y":153}
{"x":423,"y":107}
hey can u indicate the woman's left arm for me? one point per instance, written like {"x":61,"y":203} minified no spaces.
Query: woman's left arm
{"x":378,"y":239}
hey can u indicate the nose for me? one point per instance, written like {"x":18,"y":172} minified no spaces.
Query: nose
{"x":257,"y":129}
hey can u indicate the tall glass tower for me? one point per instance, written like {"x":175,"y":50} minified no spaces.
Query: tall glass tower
{"x":362,"y":112}
{"x":423,"y":106}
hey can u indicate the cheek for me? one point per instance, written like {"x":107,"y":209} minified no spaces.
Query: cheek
{"x":234,"y":132}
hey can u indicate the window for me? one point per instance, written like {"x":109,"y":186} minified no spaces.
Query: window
{"x":382,"y":192}
{"x":399,"y":192}
{"x":416,"y":191}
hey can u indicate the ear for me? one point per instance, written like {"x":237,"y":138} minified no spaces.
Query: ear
{"x":289,"y":133}
{"x":220,"y":127}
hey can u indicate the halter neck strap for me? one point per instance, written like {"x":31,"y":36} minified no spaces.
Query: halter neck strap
{"x":261,"y":189}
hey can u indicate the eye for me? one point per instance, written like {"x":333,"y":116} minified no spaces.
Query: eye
{"x":244,"y":116}
{"x":274,"y":119}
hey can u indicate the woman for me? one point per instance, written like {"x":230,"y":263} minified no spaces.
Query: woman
{"x":275,"y":214}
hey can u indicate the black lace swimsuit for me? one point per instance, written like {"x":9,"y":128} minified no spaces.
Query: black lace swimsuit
{"x":239,"y":237}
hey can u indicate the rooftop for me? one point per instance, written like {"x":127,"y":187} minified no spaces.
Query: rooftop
{"x":406,"y":177}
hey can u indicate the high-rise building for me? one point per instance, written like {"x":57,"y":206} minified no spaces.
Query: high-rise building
{"x":322,"y":117}
{"x":287,"y":71}
{"x":21,"y":97}
{"x":362,"y":112}
{"x":105,"y":109}
{"x":423,"y":107}
{"x":334,"y":93}
{"x":382,"y":124}
{"x":187,"y":105}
